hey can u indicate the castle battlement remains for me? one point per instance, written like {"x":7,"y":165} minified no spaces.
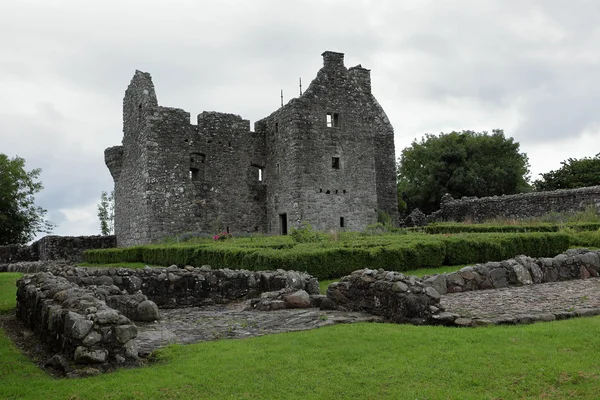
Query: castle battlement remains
{"x":326,"y":158}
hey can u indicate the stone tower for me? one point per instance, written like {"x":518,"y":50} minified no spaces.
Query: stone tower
{"x":326,"y":158}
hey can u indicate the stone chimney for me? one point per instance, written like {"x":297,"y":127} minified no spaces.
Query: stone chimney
{"x":332,"y":59}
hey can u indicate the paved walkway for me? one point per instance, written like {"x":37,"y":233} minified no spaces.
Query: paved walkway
{"x":526,"y":304}
{"x":194,"y":324}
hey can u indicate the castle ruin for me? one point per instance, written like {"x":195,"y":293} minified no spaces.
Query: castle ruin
{"x":326,"y":158}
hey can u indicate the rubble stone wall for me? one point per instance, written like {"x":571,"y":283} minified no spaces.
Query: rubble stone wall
{"x":74,"y":322}
{"x":516,"y":206}
{"x":401,"y":298}
{"x":52,"y":247}
{"x":178,"y":287}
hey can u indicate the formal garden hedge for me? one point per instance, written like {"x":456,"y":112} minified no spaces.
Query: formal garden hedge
{"x":441,"y":228}
{"x":328,"y":258}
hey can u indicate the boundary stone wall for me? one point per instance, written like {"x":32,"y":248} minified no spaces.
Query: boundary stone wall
{"x":516,"y":206}
{"x":52,"y":247}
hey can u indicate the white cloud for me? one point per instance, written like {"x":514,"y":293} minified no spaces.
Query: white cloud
{"x":528,"y":67}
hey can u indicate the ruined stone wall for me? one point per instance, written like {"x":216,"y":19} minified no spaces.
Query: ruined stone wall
{"x":13,"y":253}
{"x":52,"y":247}
{"x":517,"y":206}
{"x":402,"y":298}
{"x":128,"y":164}
{"x":71,"y":248}
{"x":179,"y":287}
{"x":72,"y":321}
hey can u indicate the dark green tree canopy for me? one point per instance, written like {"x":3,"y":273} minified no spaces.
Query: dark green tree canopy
{"x":573,"y":174}
{"x":463,"y":163}
{"x":20,"y":218}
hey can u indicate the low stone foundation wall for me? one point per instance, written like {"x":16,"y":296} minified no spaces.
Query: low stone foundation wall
{"x":190,"y":286}
{"x":86,"y":314}
{"x":519,"y":271}
{"x":74,"y":322}
{"x":401,"y":298}
{"x":397,"y":297}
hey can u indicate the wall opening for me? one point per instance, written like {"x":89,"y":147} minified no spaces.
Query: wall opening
{"x":335,"y":162}
{"x":194,"y":174}
{"x":333,"y":120}
{"x":258,"y":173}
{"x":276,"y":127}
{"x":342,"y":222}
{"x":197,"y":167}
{"x":277,"y":168}
{"x":283,"y":228}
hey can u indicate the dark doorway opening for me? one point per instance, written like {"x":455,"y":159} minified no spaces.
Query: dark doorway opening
{"x":283,"y":228}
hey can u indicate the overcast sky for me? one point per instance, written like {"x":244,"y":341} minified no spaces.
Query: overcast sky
{"x":530,"y":67}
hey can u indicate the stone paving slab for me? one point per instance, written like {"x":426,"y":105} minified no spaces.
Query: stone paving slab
{"x":198,"y":324}
{"x":525,"y":304}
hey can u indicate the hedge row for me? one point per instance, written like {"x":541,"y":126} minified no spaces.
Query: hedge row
{"x":400,"y":254}
{"x":585,"y":239}
{"x":480,"y":228}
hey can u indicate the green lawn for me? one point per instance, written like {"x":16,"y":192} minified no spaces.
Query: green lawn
{"x":356,"y":361}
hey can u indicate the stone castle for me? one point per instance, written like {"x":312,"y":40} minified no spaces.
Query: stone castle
{"x":326,"y":158}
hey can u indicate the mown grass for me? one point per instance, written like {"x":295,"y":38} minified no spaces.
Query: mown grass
{"x":372,"y":361}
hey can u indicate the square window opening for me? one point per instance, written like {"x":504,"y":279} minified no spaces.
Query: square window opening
{"x":335,"y":162}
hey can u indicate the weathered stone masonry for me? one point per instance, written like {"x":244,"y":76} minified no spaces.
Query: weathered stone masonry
{"x":326,"y":157}
{"x":517,"y":206}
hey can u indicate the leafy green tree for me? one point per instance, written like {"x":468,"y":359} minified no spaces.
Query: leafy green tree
{"x":106,"y":213}
{"x":573,"y":174}
{"x":463,"y":163}
{"x":20,"y":218}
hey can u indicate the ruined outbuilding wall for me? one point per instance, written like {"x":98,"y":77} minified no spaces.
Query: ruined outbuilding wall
{"x":517,"y":206}
{"x":297,"y":166}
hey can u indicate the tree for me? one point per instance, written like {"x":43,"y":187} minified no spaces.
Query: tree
{"x":106,"y":213}
{"x":463,"y":163}
{"x":20,"y":218}
{"x":573,"y":174}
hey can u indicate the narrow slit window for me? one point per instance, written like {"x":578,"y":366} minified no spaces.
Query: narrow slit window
{"x":335,"y":162}
{"x":277,"y":168}
{"x":329,"y":120}
{"x":260,"y":174}
{"x":342,"y":222}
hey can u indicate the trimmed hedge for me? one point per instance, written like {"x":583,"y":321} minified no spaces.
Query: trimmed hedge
{"x":484,"y":228}
{"x":326,"y":260}
{"x":585,"y":239}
